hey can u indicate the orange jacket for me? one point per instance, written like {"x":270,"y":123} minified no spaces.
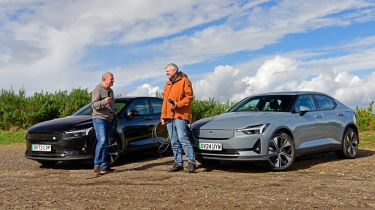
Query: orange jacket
{"x":181,"y":92}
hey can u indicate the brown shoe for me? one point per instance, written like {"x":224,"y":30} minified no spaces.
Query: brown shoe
{"x":176,"y":168}
{"x":106,"y":170}
{"x":190,"y":168}
{"x":96,"y":170}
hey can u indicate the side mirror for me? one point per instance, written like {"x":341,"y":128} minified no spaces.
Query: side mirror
{"x":303,"y":110}
{"x":132,"y":114}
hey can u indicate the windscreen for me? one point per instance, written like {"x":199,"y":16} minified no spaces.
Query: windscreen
{"x":87,"y":109}
{"x":268,"y":103}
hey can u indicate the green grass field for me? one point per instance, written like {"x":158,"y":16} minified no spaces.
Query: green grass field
{"x":367,"y":138}
{"x":12,"y":137}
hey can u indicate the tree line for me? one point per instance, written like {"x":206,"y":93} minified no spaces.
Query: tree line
{"x":20,"y":111}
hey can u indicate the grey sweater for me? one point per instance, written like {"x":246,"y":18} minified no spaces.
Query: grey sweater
{"x":100,"y":109}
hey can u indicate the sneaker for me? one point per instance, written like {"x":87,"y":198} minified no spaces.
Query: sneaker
{"x":96,"y":170}
{"x":190,"y":168}
{"x":175,"y":168}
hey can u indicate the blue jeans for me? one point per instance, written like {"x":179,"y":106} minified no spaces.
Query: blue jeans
{"x":103,"y":130}
{"x":178,"y":133}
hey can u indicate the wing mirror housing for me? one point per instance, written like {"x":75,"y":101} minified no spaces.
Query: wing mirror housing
{"x":303,"y":110}
{"x":131,"y":114}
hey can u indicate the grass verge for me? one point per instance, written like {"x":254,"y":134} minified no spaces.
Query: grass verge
{"x":367,"y":140}
{"x":12,"y":137}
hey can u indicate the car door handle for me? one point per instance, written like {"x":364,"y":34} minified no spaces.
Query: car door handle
{"x":148,"y":118}
{"x":318,"y":116}
{"x":340,"y":114}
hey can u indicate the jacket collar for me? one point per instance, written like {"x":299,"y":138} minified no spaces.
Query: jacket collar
{"x":177,"y":78}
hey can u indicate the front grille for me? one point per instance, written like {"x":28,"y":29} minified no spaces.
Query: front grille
{"x":213,"y":134}
{"x":44,"y":136}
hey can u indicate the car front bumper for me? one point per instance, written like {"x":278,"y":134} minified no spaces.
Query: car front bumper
{"x":236,"y":148}
{"x":73,"y":148}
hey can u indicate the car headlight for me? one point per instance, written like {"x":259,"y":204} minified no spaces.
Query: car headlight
{"x":77,"y":133}
{"x":254,"y":129}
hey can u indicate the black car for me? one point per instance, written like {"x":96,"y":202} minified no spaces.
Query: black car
{"x":73,"y":137}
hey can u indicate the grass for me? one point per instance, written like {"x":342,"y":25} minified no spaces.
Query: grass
{"x":12,"y":137}
{"x":367,"y":140}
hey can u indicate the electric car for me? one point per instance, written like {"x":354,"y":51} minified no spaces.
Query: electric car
{"x":276,"y":128}
{"x":73,"y":137}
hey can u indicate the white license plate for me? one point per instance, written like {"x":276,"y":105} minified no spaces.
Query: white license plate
{"x":211,"y":146}
{"x":41,"y":147}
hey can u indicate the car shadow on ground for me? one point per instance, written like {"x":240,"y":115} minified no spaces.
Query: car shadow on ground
{"x":143,"y":157}
{"x":303,"y":162}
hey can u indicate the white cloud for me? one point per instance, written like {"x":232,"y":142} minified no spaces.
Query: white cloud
{"x":144,"y":90}
{"x":42,"y":44}
{"x":220,"y":84}
{"x":284,"y":74}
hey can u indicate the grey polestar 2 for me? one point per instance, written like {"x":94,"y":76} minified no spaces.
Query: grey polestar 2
{"x":276,"y":128}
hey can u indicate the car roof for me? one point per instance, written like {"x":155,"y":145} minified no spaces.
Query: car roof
{"x":134,"y":97}
{"x":290,"y":93}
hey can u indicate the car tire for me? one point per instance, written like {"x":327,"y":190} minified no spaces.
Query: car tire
{"x":349,"y":147}
{"x":114,"y":150}
{"x":281,"y":152}
{"x":47,"y":163}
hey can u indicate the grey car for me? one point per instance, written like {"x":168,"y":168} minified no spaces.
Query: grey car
{"x":276,"y":128}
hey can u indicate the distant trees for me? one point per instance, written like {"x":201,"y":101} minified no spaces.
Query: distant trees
{"x":19,"y":111}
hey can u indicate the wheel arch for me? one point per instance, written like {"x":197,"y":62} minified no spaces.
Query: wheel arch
{"x":284,"y":130}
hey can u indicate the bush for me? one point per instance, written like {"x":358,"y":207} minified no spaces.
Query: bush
{"x":17,"y":110}
{"x":209,"y":108}
{"x":366,"y":118}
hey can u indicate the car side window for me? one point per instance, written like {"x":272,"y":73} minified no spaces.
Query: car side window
{"x":325,"y":103}
{"x":306,"y":101}
{"x":140,"y":107}
{"x":156,"y":105}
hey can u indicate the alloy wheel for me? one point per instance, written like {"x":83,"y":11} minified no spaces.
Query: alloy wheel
{"x":114,"y":150}
{"x":280,"y":152}
{"x":350,"y":143}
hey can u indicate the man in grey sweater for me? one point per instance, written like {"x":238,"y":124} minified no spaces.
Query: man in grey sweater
{"x":102,"y":99}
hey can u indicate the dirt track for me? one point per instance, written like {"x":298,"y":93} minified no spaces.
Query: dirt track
{"x":319,"y":182}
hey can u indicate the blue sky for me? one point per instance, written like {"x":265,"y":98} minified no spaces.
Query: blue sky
{"x":229,"y":49}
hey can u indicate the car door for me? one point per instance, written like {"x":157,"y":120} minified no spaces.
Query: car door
{"x":331,"y":128}
{"x":156,"y":104}
{"x":139,"y":124}
{"x":306,"y":124}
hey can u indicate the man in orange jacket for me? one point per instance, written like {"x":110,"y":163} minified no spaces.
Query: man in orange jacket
{"x":176,"y":113}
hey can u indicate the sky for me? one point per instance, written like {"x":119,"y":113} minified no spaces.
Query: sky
{"x":229,"y":49}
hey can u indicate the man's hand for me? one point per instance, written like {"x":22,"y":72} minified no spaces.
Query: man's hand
{"x":108,"y":100}
{"x":173,"y":107}
{"x":162,"y":121}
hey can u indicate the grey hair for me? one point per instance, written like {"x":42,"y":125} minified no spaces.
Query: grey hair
{"x":172,"y":65}
{"x":105,"y":75}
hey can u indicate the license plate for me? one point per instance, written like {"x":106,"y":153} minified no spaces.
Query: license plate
{"x":41,"y":147}
{"x":211,"y":146}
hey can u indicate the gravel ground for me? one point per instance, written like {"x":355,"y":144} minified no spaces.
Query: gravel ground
{"x":315,"y":182}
